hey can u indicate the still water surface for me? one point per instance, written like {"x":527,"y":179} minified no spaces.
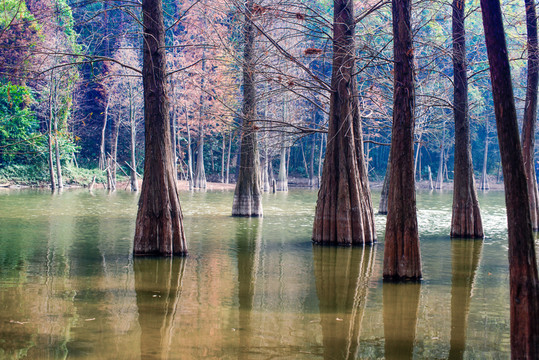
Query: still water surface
{"x":250,"y":289}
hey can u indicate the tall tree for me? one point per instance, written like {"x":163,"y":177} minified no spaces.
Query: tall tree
{"x":159,"y":226}
{"x":344,"y":213}
{"x":530,"y":112}
{"x":247,"y":195}
{"x":466,"y":218}
{"x":523,"y":281}
{"x":402,"y":258}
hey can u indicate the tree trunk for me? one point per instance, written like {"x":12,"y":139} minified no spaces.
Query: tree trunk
{"x":282,"y":180}
{"x":247,"y":195}
{"x":466,"y":217}
{"x":465,"y":255}
{"x":440,"y":176}
{"x":102,"y":155}
{"x":344,"y":213}
{"x":530,"y":112}
{"x":382,"y":207}
{"x":133,"y":143}
{"x":200,"y":172}
{"x":523,"y":280}
{"x":402,"y":258}
{"x":223,"y":160}
{"x":114,"y":147}
{"x":417,"y":157}
{"x":484,"y":176}
{"x":159,"y":225}
{"x":189,"y":152}
{"x":312,"y":181}
{"x":227,"y":178}
{"x":49,"y":138}
{"x":57,"y":151}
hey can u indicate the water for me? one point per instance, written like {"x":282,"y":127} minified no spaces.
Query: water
{"x":250,"y":289}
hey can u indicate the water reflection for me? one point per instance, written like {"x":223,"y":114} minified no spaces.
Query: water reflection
{"x":400,"y":307}
{"x":158,"y":285}
{"x":248,"y":239}
{"x":342,"y":276}
{"x":465,"y":256}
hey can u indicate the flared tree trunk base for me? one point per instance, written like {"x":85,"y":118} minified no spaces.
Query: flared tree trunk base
{"x":466,"y":222}
{"x":247,"y":206}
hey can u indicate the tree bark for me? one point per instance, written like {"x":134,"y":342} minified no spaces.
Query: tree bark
{"x":440,"y":176}
{"x":402,"y":258}
{"x":523,"y":280}
{"x":49,"y":138}
{"x":114,"y":147}
{"x":159,"y":225}
{"x":530,"y":112}
{"x":466,"y":217}
{"x":247,"y":195}
{"x":344,"y":213}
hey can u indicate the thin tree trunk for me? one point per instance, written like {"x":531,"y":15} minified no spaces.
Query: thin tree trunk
{"x":49,"y":138}
{"x":320,"y":160}
{"x":523,"y":279}
{"x":223,"y":160}
{"x":227,"y":179}
{"x":57,"y":145}
{"x":189,"y":152}
{"x":530,"y":112}
{"x":382,"y":207}
{"x":440,"y":176}
{"x":133,"y":143}
{"x":247,"y":195}
{"x":159,"y":225}
{"x":102,"y":156}
{"x":200,"y":172}
{"x":114,"y":147}
{"x":417,"y":156}
{"x":402,"y":258}
{"x":466,"y":216}
{"x":282,"y":180}
{"x":312,"y":181}
{"x":344,"y":214}
{"x":484,"y":176}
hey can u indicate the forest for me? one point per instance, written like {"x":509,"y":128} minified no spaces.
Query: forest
{"x":337,"y":97}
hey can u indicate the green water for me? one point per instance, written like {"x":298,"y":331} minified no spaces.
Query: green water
{"x":250,"y":289}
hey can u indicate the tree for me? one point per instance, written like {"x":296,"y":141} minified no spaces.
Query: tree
{"x":530,"y":112}
{"x":344,"y":213}
{"x":523,"y":280}
{"x":159,"y":225}
{"x":402,"y":259}
{"x":247,"y":195}
{"x":466,"y":217}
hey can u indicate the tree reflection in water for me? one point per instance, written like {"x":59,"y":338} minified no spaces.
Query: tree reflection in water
{"x":465,"y":255}
{"x":342,"y":277}
{"x":400,"y":307}
{"x":158,"y":284}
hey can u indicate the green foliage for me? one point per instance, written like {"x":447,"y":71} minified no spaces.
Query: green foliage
{"x":13,"y":10}
{"x":19,"y":137}
{"x":26,"y":174}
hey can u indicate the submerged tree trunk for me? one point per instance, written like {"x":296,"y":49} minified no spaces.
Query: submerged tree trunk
{"x":344,"y":213}
{"x":402,"y":259}
{"x":247,"y":195}
{"x":530,"y":112}
{"x":159,"y":225}
{"x":523,"y":280}
{"x":466,"y":218}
